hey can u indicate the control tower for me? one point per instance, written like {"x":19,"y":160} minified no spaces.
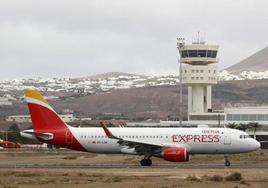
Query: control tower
{"x":199,"y":72}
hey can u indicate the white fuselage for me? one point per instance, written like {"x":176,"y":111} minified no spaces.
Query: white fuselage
{"x":195,"y":140}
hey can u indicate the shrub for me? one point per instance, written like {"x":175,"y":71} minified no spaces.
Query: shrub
{"x":243,"y":182}
{"x":70,"y":157}
{"x":115,"y":179}
{"x":109,"y":179}
{"x":216,"y":178}
{"x":10,"y":186}
{"x":236,"y":176}
{"x":192,"y":178}
{"x":27,"y":174}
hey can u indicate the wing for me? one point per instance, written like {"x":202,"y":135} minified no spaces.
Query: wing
{"x":141,"y":147}
{"x":263,"y":141}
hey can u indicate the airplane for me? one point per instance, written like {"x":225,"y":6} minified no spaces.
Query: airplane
{"x":171,"y":144}
{"x":8,"y":144}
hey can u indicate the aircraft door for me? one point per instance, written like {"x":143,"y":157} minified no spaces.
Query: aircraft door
{"x":227,"y":137}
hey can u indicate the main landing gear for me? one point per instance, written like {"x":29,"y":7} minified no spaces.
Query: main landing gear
{"x":146,"y":162}
{"x":227,"y":162}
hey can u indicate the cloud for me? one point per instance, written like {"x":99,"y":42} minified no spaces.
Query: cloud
{"x":81,"y":38}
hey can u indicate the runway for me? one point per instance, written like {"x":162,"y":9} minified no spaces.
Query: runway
{"x":70,"y":159}
{"x":135,"y":166}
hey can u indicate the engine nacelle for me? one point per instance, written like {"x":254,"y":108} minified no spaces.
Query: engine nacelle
{"x":175,"y":154}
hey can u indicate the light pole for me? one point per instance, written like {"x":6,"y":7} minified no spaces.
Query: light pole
{"x":180,"y":93}
{"x":180,"y":45}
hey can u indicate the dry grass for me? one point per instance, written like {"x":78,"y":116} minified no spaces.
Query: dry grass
{"x":135,"y":177}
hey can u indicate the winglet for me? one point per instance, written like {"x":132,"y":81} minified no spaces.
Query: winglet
{"x":107,"y":131}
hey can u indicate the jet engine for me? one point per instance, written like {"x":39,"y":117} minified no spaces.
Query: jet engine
{"x":175,"y":154}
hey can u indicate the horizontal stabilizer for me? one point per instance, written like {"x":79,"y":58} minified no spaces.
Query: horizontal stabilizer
{"x":32,"y":135}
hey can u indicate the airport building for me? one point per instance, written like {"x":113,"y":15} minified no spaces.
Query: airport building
{"x":247,"y":115}
{"x":235,"y":115}
{"x":27,"y":119}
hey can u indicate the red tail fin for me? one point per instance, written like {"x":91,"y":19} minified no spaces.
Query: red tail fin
{"x":46,"y":120}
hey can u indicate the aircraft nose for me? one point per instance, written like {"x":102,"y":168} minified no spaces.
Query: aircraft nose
{"x":256,"y":144}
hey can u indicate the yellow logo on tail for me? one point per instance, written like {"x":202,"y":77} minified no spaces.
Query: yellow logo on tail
{"x":35,"y":94}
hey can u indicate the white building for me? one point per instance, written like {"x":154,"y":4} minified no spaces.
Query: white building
{"x":234,"y":115}
{"x":27,"y":119}
{"x":5,"y":102}
{"x":247,"y":115}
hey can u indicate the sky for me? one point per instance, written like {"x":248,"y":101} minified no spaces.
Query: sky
{"x":64,"y":38}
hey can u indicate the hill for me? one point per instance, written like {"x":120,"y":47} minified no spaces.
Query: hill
{"x":111,"y":74}
{"x":154,"y":102}
{"x":159,"y":102}
{"x":257,"y":62}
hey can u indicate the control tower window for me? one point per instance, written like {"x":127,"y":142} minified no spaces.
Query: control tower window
{"x":199,"y":53}
{"x":214,"y":54}
{"x":184,"y":53}
{"x":211,"y":54}
{"x":202,"y":53}
{"x":192,"y":53}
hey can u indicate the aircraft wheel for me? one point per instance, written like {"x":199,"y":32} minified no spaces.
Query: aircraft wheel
{"x":146,"y":162}
{"x":149,"y":162}
{"x":227,"y":163}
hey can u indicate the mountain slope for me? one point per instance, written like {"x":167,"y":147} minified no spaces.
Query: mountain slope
{"x":154,"y":102}
{"x":111,"y":74}
{"x":257,"y":62}
{"x":160,"y":102}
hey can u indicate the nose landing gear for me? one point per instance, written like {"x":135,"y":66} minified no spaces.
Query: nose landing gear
{"x":227,"y":162}
{"x":146,"y":162}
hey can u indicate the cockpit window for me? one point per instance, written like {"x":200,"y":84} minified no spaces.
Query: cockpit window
{"x":244,"y":136}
